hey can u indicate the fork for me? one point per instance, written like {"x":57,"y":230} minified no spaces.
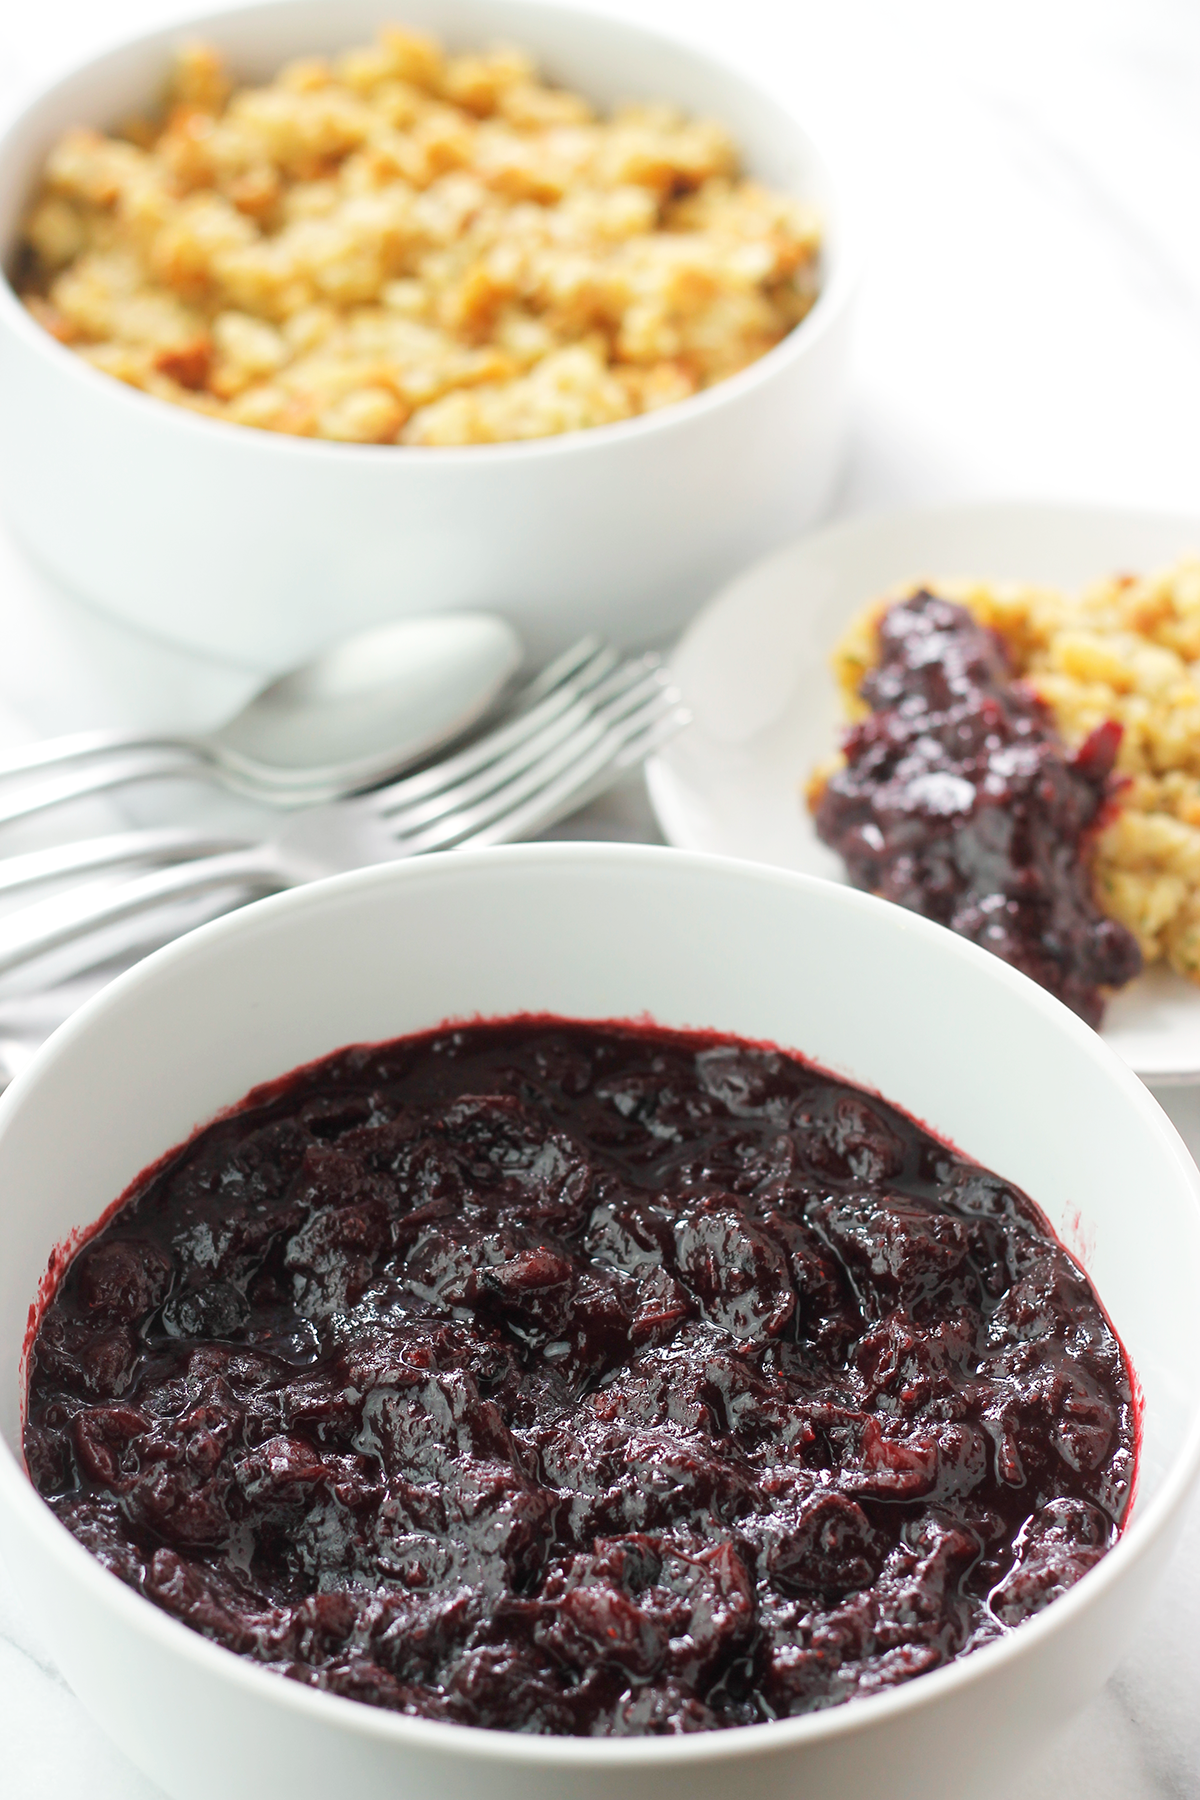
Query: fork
{"x":519,"y":780}
{"x":561,"y":683}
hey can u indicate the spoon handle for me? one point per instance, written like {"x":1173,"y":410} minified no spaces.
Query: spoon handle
{"x":75,"y":746}
{"x":139,"y":762}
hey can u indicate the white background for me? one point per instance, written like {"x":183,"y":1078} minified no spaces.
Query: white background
{"x":1028,"y":181}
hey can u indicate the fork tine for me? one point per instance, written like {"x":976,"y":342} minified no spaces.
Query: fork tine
{"x":575,"y":674}
{"x":581,"y":783}
{"x":561,"y":669}
{"x":450,"y":822}
{"x":602,"y":735}
{"x":626,"y":682}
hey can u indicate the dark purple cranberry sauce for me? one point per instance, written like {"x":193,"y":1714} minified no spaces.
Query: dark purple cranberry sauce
{"x":959,"y":801}
{"x":582,"y":1379}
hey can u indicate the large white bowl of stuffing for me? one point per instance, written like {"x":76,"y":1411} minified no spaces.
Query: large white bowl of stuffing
{"x":318,"y":314}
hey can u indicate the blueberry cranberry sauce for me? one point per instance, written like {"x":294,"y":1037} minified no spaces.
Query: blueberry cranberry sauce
{"x":959,"y":801}
{"x":581,"y":1379}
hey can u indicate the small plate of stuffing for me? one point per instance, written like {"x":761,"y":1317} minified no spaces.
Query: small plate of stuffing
{"x":989,"y":714}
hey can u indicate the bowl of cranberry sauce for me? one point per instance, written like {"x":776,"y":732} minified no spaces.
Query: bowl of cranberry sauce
{"x":673,"y":1314}
{"x":585,"y":1379}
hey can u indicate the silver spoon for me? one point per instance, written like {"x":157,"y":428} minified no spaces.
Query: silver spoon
{"x":362,"y":711}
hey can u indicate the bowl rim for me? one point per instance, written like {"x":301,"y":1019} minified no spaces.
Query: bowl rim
{"x":835,"y":296}
{"x":482,"y":1744}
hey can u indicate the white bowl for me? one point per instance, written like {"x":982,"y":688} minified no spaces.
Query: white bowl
{"x":259,"y":548}
{"x":937,"y":1025}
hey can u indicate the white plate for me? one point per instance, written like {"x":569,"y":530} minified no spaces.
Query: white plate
{"x":754,"y":668}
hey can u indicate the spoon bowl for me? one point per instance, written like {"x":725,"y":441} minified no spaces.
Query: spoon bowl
{"x":369,"y":706}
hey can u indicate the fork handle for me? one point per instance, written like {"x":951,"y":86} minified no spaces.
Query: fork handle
{"x":167,"y":845}
{"x":138,"y":762}
{"x":51,"y":924}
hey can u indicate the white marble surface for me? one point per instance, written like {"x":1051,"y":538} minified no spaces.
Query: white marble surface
{"x":1030,"y":326}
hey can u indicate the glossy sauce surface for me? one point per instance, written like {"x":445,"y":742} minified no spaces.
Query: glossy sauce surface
{"x":959,"y":801}
{"x":582,"y":1379}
